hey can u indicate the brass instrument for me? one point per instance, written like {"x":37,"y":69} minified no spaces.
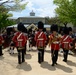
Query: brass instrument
{"x":56,"y":38}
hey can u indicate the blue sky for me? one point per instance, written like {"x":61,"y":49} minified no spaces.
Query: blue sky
{"x":42,"y":8}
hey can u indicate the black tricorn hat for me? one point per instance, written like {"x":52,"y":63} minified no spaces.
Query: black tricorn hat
{"x":40,"y":25}
{"x":21,"y":27}
{"x":66,"y":30}
{"x":54,"y":27}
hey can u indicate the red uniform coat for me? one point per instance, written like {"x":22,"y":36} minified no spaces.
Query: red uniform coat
{"x":55,"y":43}
{"x":19,"y":40}
{"x":40,"y":39}
{"x":1,"y":40}
{"x":65,"y":41}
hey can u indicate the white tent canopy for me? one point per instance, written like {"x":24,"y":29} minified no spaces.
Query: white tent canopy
{"x":29,"y":26}
{"x":45,"y":26}
{"x":15,"y":26}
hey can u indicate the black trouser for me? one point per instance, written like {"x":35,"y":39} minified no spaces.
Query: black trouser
{"x":1,"y":50}
{"x":25,"y":49}
{"x":40,"y":55}
{"x":54,"y":55}
{"x":30,"y":43}
{"x":65,"y":54}
{"x":21,"y":56}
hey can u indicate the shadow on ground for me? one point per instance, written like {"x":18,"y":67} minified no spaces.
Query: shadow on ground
{"x":64,"y":68}
{"x":48,"y":66}
{"x":1,"y":57}
{"x":25,"y":66}
{"x":70,"y":63}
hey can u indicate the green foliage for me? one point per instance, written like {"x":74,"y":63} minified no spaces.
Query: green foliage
{"x":53,"y":20}
{"x":17,"y":6}
{"x":5,"y":8}
{"x":66,"y":10}
{"x":4,"y":22}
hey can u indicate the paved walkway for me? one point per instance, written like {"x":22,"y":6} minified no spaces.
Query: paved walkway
{"x":9,"y":65}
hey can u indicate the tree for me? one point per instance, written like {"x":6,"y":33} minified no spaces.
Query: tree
{"x":14,"y":5}
{"x":5,"y":7}
{"x":66,"y":10}
{"x":53,"y":20}
{"x":4,"y":22}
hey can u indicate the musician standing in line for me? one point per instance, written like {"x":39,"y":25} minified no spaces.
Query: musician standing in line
{"x":66,"y":43}
{"x":40,"y":38}
{"x":20,"y":40}
{"x":54,"y":40}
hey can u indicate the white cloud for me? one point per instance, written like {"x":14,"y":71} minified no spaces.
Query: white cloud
{"x":40,"y":7}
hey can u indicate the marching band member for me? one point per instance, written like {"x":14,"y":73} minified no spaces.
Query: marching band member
{"x":40,"y":38}
{"x":54,"y":40}
{"x":66,"y":41}
{"x":73,"y":38}
{"x":1,"y":42}
{"x":20,"y":40}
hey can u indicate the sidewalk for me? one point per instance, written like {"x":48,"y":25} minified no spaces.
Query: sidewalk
{"x":9,"y":65}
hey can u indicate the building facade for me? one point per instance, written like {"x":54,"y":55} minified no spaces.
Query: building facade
{"x":32,"y":19}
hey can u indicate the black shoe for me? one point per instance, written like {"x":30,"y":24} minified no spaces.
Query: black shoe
{"x":1,"y":54}
{"x":39,"y":62}
{"x":19,"y":63}
{"x":56,"y":63}
{"x":52,"y":65}
{"x":64,"y":60}
{"x":9,"y":53}
{"x":23,"y":61}
{"x":42,"y":60}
